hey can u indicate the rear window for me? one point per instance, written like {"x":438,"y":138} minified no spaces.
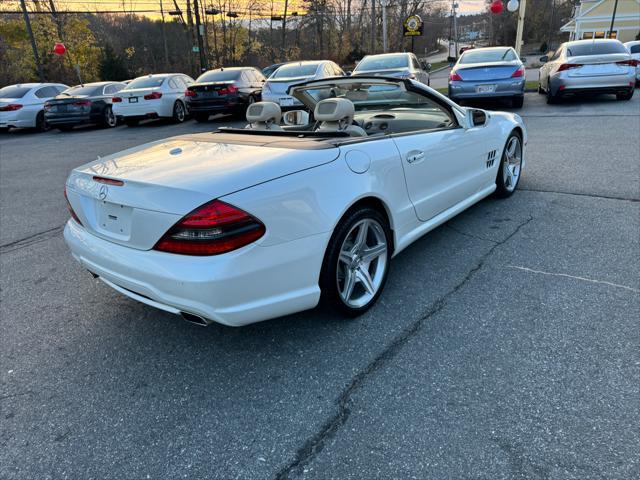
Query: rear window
{"x":219,"y":76}
{"x":146,"y":82}
{"x":635,"y":48}
{"x":487,"y":56}
{"x":595,"y":48}
{"x":13,"y":92}
{"x":80,"y":90}
{"x":383,"y":62}
{"x":291,"y":71}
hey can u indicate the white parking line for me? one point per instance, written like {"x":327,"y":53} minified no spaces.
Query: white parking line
{"x":575,"y":277}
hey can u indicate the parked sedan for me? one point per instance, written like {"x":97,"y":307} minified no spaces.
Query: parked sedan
{"x":634,"y":50}
{"x":276,"y":86}
{"x":82,"y":104}
{"x":495,"y":72}
{"x":588,"y":67}
{"x":153,"y":96}
{"x":244,"y":225}
{"x":225,"y":90}
{"x":22,"y":105}
{"x":397,"y":65}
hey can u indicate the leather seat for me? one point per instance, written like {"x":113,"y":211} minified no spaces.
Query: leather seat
{"x":336,"y":115}
{"x":264,"y":116}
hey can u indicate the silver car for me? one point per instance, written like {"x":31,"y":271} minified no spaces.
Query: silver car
{"x":396,"y":65}
{"x":634,"y":50}
{"x":276,"y":86}
{"x":588,"y":66}
{"x":495,"y":72}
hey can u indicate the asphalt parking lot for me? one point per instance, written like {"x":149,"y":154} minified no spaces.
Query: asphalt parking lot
{"x":505,"y":346}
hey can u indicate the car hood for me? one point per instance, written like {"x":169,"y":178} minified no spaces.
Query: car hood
{"x":178,"y":174}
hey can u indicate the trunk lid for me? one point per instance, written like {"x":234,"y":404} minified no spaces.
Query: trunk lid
{"x":487,"y":71}
{"x":164,"y":180}
{"x":210,"y":90}
{"x":66,"y":104}
{"x":599,"y":65}
{"x":280,"y":87}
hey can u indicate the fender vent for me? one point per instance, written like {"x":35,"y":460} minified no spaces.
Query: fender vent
{"x":491,"y":158}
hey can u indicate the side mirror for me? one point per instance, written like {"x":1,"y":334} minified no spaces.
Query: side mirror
{"x":544,"y":59}
{"x":426,"y":66}
{"x":263,"y":80}
{"x":478,"y":117}
{"x":297,"y":118}
{"x":523,"y":59}
{"x":348,"y":73}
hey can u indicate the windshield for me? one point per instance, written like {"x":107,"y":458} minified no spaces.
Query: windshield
{"x":488,"y":56}
{"x":296,"y":70}
{"x":145,"y":82}
{"x":595,"y":48}
{"x":219,"y":76}
{"x":81,"y":90}
{"x":13,"y":92}
{"x":383,"y":62}
{"x":372,"y":96}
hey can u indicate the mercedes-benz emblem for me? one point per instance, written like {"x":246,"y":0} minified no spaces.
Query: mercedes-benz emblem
{"x":104,"y":190}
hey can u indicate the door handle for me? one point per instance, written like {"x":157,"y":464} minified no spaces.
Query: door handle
{"x":415,"y":156}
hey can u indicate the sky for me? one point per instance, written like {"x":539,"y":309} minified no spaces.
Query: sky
{"x":465,"y":6}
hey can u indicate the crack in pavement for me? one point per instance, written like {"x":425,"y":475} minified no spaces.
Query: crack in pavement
{"x":30,"y":240}
{"x":314,"y":445}
{"x":470,"y":235}
{"x":590,"y":195}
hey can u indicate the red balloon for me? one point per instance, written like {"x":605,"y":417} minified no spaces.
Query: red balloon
{"x":59,"y":49}
{"x":496,"y":7}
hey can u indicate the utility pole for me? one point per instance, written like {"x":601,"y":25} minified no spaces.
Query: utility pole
{"x":203,"y":58}
{"x":33,"y":40}
{"x":520,"y":28}
{"x":284,"y":27}
{"x":164,"y":38}
{"x":384,"y":4}
{"x":613,"y":19}
{"x":373,"y":26}
{"x":455,"y":28}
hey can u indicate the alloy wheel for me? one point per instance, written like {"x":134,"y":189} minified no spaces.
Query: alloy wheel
{"x":110,"y":117}
{"x":512,"y":163}
{"x":362,"y":263}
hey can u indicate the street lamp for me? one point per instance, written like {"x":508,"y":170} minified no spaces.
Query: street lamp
{"x":384,"y":4}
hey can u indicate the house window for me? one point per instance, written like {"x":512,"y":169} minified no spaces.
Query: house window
{"x":587,"y":35}
{"x":590,"y":35}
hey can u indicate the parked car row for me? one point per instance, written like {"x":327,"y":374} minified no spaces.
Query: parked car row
{"x":175,"y":96}
{"x":579,"y":67}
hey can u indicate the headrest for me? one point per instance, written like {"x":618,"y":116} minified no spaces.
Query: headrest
{"x":264,"y":112}
{"x":334,"y":110}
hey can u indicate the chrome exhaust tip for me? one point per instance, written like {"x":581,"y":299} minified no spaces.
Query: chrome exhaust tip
{"x":196,"y":319}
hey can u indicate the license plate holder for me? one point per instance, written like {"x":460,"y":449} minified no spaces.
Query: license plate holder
{"x":133,"y":99}
{"x":114,"y":218}
{"x":485,"y":89}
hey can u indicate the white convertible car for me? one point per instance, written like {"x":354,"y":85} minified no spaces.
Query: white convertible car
{"x":244,"y":225}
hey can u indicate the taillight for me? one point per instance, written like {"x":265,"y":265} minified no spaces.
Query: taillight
{"x":190,"y":93}
{"x":153,"y":96}
{"x":11,"y":107}
{"x":518,"y":73}
{"x":116,"y":99}
{"x":73,"y":214}
{"x":228,"y":90}
{"x":629,"y":63}
{"x":82,"y":103}
{"x":454,"y":77}
{"x":214,"y":228}
{"x":568,"y":66}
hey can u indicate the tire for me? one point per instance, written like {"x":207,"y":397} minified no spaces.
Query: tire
{"x":625,"y":96}
{"x":540,"y":89}
{"x":41,"y":123}
{"x":109,"y":120}
{"x":506,"y":183}
{"x":551,"y":98}
{"x":179,"y":112}
{"x":131,"y":122}
{"x":201,"y":117}
{"x":345,"y":261}
{"x":517,"y":102}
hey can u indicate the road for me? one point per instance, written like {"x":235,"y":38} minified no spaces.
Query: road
{"x":505,"y":346}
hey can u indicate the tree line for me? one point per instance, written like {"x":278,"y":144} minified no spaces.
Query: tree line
{"x":122,"y":45}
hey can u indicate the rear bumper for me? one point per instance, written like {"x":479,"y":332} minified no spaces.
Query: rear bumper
{"x":142,"y":111}
{"x":511,"y":87}
{"x":15,"y":120}
{"x":213,"y":106}
{"x":69,"y":119}
{"x":563,"y":84}
{"x":248,"y":285}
